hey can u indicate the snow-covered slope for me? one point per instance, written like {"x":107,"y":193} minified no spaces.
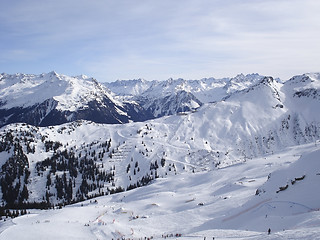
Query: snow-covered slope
{"x":242,"y":81}
{"x":218,"y":204}
{"x":288,"y":196}
{"x":302,"y":91}
{"x":26,"y":90}
{"x":50,"y":99}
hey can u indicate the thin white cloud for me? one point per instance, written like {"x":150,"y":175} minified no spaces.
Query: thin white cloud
{"x":187,"y":38}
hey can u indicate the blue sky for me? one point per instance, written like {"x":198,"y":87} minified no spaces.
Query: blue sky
{"x":159,"y":39}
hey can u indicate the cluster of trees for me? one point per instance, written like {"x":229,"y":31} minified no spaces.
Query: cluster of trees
{"x":15,"y":173}
{"x":65,"y":168}
{"x":14,"y":177}
{"x":154,"y":166}
{"x":6,"y":142}
{"x":50,"y":145}
{"x":11,"y":213}
{"x":145,"y":180}
{"x":135,"y":169}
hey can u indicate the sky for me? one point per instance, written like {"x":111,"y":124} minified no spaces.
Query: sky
{"x":160,"y":39}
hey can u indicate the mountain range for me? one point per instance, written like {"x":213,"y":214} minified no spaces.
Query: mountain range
{"x":53,"y":99}
{"x":69,"y":139}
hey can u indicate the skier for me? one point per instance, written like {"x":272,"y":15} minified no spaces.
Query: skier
{"x":269,"y":231}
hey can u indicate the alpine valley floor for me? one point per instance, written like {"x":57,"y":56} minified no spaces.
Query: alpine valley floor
{"x":220,"y":204}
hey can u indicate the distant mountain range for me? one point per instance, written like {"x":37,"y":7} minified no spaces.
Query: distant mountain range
{"x":52,"y":98}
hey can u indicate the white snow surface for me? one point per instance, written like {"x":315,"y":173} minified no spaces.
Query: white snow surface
{"x":219,"y":203}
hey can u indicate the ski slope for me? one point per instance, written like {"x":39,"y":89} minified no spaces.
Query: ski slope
{"x":220,"y":203}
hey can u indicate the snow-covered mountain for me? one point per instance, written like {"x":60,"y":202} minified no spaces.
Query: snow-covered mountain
{"x":162,"y":98}
{"x":217,"y":157}
{"x":159,"y":98}
{"x":206,"y":89}
{"x":177,"y":102}
{"x":129,"y":87}
{"x":51,"y":99}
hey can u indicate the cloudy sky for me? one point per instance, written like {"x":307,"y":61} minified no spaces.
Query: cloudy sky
{"x":159,"y":39}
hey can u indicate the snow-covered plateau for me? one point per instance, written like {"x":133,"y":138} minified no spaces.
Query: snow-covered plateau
{"x":244,"y":159}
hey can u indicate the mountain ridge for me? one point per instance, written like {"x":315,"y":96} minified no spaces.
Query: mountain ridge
{"x":51,"y":99}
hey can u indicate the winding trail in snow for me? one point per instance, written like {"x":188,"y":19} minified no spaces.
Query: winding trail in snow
{"x":268,"y":201}
{"x":247,"y":210}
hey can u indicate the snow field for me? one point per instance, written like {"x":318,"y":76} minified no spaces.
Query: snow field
{"x":219,"y":203}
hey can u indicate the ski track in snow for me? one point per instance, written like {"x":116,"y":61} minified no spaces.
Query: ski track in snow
{"x":247,"y":210}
